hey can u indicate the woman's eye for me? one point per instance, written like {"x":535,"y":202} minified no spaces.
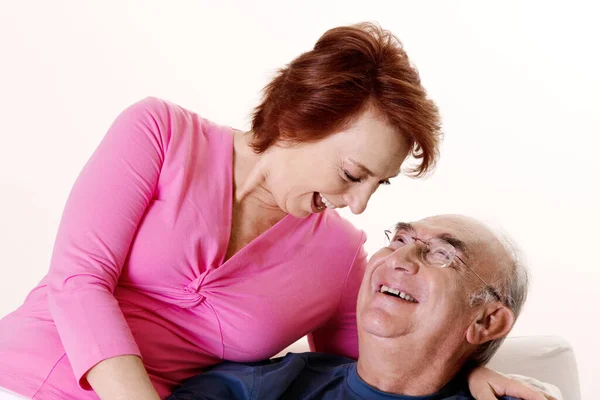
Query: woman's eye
{"x":351,"y":178}
{"x":385,"y":182}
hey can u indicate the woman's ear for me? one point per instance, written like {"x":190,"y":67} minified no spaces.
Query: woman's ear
{"x":495,"y":321}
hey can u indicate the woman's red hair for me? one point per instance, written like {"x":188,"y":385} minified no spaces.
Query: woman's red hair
{"x":350,"y":68}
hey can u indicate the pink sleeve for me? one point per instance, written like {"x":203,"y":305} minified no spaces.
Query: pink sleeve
{"x":340,"y":335}
{"x":100,"y":219}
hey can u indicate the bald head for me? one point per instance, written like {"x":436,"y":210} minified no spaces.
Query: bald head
{"x":485,"y":252}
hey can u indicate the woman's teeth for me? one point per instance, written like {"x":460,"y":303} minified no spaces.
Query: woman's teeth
{"x":327,"y":202}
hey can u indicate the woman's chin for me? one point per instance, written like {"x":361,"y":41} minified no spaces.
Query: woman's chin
{"x":300,"y":213}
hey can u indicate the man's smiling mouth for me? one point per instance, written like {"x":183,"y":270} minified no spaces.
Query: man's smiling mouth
{"x":397,"y":293}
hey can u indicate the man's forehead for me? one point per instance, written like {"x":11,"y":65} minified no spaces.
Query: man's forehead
{"x":482,"y":243}
{"x":460,"y":227}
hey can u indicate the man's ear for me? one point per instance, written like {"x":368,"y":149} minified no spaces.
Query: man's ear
{"x":495,"y":321}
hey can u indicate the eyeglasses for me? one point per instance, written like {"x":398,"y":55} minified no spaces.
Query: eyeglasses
{"x":436,"y":252}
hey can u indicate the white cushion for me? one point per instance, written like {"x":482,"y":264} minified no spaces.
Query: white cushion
{"x":546,"y":358}
{"x":538,"y":360}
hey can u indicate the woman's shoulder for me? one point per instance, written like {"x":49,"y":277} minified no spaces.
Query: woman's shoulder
{"x":338,"y":237}
{"x":177,"y":123}
{"x":167,"y":111}
{"x":335,"y":223}
{"x":153,"y":106}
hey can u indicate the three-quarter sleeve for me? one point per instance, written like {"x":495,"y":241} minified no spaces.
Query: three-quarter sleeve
{"x":100,"y":219}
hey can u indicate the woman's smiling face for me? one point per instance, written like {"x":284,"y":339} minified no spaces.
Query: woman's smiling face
{"x":343,"y":169}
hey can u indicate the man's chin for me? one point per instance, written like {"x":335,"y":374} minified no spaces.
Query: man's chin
{"x":381,"y":324}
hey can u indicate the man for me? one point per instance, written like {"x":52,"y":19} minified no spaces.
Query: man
{"x":438,"y":300}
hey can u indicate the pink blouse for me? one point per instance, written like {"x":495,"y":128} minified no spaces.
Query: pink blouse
{"x":138,"y":268}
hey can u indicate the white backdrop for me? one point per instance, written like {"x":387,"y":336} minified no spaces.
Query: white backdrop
{"x":517,"y":84}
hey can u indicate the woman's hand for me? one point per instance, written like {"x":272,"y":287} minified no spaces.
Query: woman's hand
{"x":486,"y":384}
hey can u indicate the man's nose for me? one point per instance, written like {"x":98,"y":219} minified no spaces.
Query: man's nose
{"x":404,"y":259}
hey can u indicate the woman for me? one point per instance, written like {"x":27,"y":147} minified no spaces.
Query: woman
{"x":184,"y":242}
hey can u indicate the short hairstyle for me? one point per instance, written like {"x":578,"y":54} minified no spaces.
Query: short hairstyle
{"x":350,"y":69}
{"x":512,"y":286}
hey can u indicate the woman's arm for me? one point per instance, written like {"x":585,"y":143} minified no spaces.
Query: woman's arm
{"x":340,"y":335}
{"x":102,"y":214}
{"x":122,"y":378}
{"x":487,"y":384}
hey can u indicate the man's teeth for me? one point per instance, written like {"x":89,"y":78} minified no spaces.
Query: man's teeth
{"x":327,"y":202}
{"x":397,"y":293}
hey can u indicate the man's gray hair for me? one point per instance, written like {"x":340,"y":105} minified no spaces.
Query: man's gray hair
{"x":512,"y":287}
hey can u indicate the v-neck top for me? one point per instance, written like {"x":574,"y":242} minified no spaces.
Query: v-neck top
{"x":139,"y":268}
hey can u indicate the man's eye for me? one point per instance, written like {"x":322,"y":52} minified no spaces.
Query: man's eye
{"x":400,"y":240}
{"x":351,"y":177}
{"x":440,"y":255}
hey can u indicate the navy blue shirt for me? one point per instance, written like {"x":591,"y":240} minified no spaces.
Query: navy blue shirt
{"x":299,"y":377}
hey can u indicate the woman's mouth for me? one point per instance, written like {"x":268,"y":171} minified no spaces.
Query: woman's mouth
{"x":321,"y":202}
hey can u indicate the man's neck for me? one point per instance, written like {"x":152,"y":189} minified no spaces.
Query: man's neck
{"x":412,"y":368}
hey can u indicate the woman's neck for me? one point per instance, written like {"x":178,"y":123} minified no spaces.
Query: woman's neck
{"x":250,"y":174}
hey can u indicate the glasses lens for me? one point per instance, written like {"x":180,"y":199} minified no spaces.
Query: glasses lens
{"x":440,"y":253}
